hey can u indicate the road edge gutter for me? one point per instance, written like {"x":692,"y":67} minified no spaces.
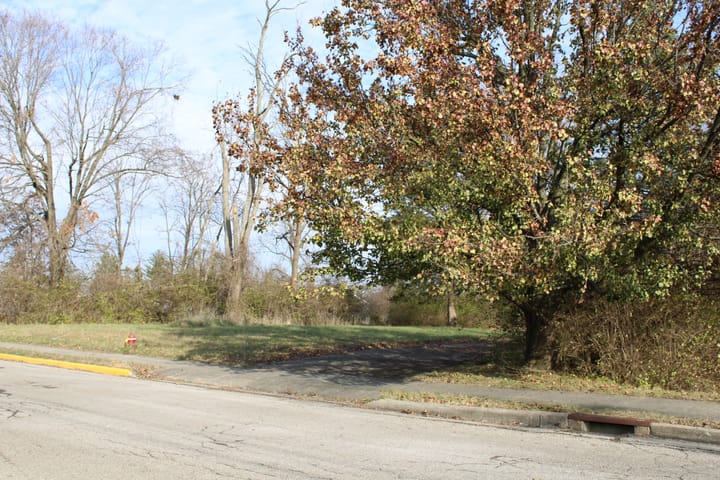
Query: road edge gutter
{"x":534,"y":419}
{"x":116,"y":371}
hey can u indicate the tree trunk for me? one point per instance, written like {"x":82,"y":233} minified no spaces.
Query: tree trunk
{"x":538,"y":353}
{"x":119,"y":234}
{"x":227,"y":210}
{"x":233,"y":309}
{"x":298,"y":228}
{"x":57,"y":262}
{"x":451,"y":312}
{"x":59,"y":240}
{"x":242,"y":229}
{"x":236,"y":259}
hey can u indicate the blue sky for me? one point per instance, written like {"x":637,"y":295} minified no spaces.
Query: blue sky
{"x":204,"y":37}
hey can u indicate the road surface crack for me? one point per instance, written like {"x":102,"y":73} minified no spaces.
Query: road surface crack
{"x":10,"y":413}
{"x":222,"y":436}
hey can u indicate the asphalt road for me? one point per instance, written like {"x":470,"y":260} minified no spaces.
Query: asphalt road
{"x":58,"y":424}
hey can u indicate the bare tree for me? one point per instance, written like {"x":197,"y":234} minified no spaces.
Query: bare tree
{"x":21,"y":236}
{"x":296,"y":240}
{"x":188,"y":205}
{"x":243,"y":133}
{"x":75,"y":114}
{"x":292,"y":231}
{"x":127,"y":193}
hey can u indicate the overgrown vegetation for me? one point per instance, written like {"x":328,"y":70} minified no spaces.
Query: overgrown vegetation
{"x":161,"y":295}
{"x":673,"y":344}
{"x":642,"y":348}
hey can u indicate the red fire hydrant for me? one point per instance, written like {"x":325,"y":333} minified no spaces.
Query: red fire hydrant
{"x":131,"y":341}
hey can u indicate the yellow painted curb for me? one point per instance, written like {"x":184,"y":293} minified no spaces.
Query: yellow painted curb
{"x":120,"y":372}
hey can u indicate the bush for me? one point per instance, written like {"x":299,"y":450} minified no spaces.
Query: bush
{"x":673,"y":344}
{"x":106,"y":298}
{"x":267,"y":299}
{"x":16,"y":296}
{"x":471,"y":312}
{"x":26,"y":301}
{"x":160,"y":294}
{"x":267,"y":302}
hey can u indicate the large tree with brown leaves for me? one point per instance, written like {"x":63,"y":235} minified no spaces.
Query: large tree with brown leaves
{"x":540,"y":151}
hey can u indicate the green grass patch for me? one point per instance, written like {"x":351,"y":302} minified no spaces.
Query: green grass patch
{"x":236,"y":345}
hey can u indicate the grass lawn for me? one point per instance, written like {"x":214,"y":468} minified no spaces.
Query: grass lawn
{"x":236,"y":345}
{"x":242,"y":345}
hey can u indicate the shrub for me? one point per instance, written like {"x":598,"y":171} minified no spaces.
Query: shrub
{"x":27,"y":301}
{"x":673,"y":344}
{"x":432,"y":311}
{"x":16,"y":296}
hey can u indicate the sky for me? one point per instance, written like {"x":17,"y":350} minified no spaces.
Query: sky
{"x":204,"y":38}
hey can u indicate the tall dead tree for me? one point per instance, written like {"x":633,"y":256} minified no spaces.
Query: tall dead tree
{"x":244,"y":135}
{"x":188,"y":205}
{"x":74,"y":114}
{"x":127,"y":193}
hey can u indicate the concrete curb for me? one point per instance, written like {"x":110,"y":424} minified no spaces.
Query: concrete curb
{"x":683,"y":432}
{"x":119,"y":372}
{"x":535,"y":419}
{"x":494,"y":416}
